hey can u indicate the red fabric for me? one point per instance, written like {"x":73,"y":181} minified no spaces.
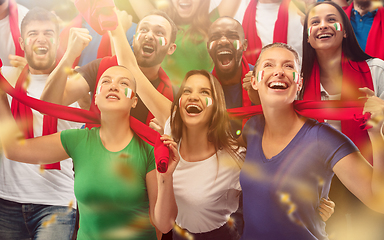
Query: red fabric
{"x":79,"y":115}
{"x":280,"y":32}
{"x":99,"y":14}
{"x":375,"y":46}
{"x":355,"y":75}
{"x":104,"y":49}
{"x":24,"y":114}
{"x":245,"y":69}
{"x":14,"y":26}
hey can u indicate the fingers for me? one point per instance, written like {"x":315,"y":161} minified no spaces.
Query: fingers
{"x":368,"y":92}
{"x":17,"y":61}
{"x":247,"y":81}
{"x":155,"y":125}
{"x":78,"y":40}
{"x":326,"y":209}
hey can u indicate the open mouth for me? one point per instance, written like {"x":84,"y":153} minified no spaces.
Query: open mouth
{"x":112,"y":96}
{"x":148,"y":49}
{"x":324,"y":36}
{"x":225,"y":57}
{"x":278,"y":85}
{"x":40,"y":50}
{"x":193,"y":109}
{"x":185,"y":5}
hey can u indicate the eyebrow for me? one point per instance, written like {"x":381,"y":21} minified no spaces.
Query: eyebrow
{"x":328,"y":15}
{"x":150,"y":24}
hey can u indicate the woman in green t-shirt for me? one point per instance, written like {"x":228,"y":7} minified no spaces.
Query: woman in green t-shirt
{"x":116,"y":183}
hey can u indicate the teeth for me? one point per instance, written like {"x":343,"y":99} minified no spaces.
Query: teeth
{"x":324,"y":35}
{"x":277,"y":84}
{"x":225,"y":53}
{"x":112,"y":97}
{"x":185,"y":4}
{"x":192,"y":108}
{"x":148,"y":47}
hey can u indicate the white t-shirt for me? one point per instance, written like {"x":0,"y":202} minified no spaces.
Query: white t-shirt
{"x":206,"y":192}
{"x":7,"y":46}
{"x":266,"y":16}
{"x":376,"y":66}
{"x":26,"y":183}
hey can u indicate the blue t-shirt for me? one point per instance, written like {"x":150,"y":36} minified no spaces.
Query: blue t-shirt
{"x":281,"y":194}
{"x":362,"y":25}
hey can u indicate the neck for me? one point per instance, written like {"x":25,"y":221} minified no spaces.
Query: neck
{"x":41,"y":72}
{"x":235,"y":79}
{"x":4,"y":11}
{"x":195,"y":145}
{"x":362,"y":10}
{"x":115,"y":130}
{"x":281,"y":121}
{"x":330,"y":63}
{"x":152,"y":73}
{"x":270,"y":1}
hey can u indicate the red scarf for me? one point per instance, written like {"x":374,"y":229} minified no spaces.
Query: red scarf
{"x":104,"y":49}
{"x":79,"y":115}
{"x":374,"y":46}
{"x":165,"y":85}
{"x":245,"y":69}
{"x":280,"y":32}
{"x":355,"y":75}
{"x":14,"y":26}
{"x":23,"y":114}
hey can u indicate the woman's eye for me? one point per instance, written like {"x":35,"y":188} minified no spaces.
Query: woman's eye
{"x":186,"y":91}
{"x":205,"y":92}
{"x":314,"y":22}
{"x":124,"y":83}
{"x":267,"y":65}
{"x":289,"y":66}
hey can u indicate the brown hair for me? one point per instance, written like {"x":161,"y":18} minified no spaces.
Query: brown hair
{"x":219,"y":131}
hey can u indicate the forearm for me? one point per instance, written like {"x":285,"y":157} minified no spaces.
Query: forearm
{"x":55,"y":86}
{"x":165,"y":211}
{"x":142,"y":8}
{"x":229,"y":7}
{"x":378,"y":166}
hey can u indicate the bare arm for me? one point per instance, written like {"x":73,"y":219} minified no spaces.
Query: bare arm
{"x":163,"y":208}
{"x":142,"y":7}
{"x":57,"y":89}
{"x":157,"y":104}
{"x":363,"y":180}
{"x":41,"y":150}
{"x":228,"y":7}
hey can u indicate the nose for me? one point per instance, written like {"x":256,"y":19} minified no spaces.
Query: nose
{"x":323,"y":25}
{"x":193,"y":96}
{"x":113,"y":86}
{"x":223,"y":40}
{"x":149,"y":36}
{"x":279,"y":72}
{"x":41,"y":38}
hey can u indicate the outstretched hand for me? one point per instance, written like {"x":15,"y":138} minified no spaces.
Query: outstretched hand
{"x":374,"y":106}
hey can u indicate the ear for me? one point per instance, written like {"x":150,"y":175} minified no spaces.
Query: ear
{"x":345,"y":34}
{"x":134,"y":102}
{"x":245,"y":45}
{"x":21,"y":42}
{"x":171,"y":49}
{"x":300,"y":84}
{"x":254,"y":83}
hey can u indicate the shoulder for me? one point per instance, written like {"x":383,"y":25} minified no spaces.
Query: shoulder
{"x":375,"y":62}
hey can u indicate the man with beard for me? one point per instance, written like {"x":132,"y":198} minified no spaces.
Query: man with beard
{"x":226,"y":44}
{"x":154,"y":39}
{"x":368,"y":25}
{"x":37,"y":203}
{"x":11,"y":15}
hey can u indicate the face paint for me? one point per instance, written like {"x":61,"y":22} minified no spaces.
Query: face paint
{"x":338,"y":26}
{"x":260,"y":76}
{"x":128,"y":93}
{"x":296,"y":77}
{"x":162,"y":41}
{"x":236,"y":44}
{"x":138,"y":35}
{"x":179,"y":102}
{"x":208,"y":101}
{"x":309,"y":31}
{"x":52,"y":40}
{"x":211,"y":45}
{"x":98,"y":90}
{"x":28,"y":41}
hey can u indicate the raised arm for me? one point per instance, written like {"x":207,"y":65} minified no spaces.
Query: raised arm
{"x":40,"y":150}
{"x":228,"y":7}
{"x":142,"y":7}
{"x":157,"y":104}
{"x":62,"y":86}
{"x":363,"y":180}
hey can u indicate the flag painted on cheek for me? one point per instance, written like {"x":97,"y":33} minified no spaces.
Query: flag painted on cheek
{"x":338,"y":26}
{"x":236,"y":44}
{"x":138,"y":35}
{"x":128,"y":93}
{"x":309,"y":31}
{"x":52,"y":40}
{"x":211,"y":45}
{"x":28,"y":41}
{"x":296,"y":77}
{"x":98,"y":90}
{"x":162,"y":41}
{"x":260,"y":76}
{"x":208,"y":101}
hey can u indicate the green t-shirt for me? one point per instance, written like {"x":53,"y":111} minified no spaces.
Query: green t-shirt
{"x":110,"y":187}
{"x":188,"y":55}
